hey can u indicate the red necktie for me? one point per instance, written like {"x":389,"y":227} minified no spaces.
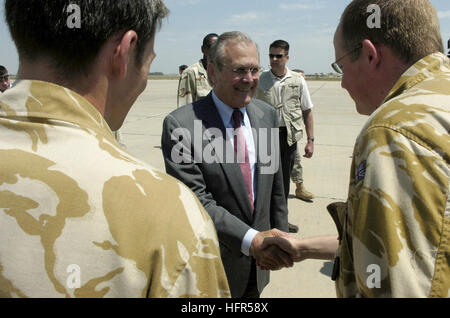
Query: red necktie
{"x":240,"y":148}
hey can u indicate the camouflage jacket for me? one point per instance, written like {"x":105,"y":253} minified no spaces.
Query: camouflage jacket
{"x":193,"y":85}
{"x":397,"y":226}
{"x":80,"y":217}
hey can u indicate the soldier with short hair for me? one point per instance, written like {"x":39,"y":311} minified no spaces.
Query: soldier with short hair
{"x":288,"y":93}
{"x":394,"y":229}
{"x":80,"y":216}
{"x":194,"y":83}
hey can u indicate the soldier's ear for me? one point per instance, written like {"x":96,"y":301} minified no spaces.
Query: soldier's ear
{"x":371,"y":54}
{"x":123,"y":50}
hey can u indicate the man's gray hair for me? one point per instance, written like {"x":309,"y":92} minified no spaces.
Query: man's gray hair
{"x":217,"y":54}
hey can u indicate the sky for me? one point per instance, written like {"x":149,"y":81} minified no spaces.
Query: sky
{"x":308,"y":26}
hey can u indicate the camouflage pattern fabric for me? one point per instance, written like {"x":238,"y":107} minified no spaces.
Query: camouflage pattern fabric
{"x":80,"y":217}
{"x":397,"y":225}
{"x":194,"y":84}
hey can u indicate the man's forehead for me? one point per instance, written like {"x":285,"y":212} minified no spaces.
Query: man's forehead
{"x":277,"y":49}
{"x":239,"y":51}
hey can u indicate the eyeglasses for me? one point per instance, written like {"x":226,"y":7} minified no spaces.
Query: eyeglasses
{"x":4,"y":77}
{"x":339,"y":68}
{"x":278,"y":56}
{"x":243,"y":71}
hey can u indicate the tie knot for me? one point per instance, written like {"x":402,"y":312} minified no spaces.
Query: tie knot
{"x":237,"y":118}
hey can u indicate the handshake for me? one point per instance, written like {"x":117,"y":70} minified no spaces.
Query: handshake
{"x":275,"y":249}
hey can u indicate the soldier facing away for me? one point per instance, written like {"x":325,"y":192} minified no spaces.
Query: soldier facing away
{"x":81,"y":217}
{"x":194,"y":84}
{"x":394,"y":227}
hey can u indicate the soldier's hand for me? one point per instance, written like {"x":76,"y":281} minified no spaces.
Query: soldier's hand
{"x":309,"y":150}
{"x":290,"y":245}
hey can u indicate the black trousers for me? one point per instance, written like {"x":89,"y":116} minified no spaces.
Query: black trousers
{"x":287,"y":159}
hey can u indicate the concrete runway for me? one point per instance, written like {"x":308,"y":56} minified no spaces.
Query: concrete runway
{"x":336,"y":126}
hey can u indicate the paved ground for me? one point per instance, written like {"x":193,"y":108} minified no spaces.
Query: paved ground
{"x":326,"y":175}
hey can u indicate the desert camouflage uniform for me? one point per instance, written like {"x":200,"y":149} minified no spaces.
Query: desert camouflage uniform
{"x":397,"y":225}
{"x":80,"y":217}
{"x":194,"y":84}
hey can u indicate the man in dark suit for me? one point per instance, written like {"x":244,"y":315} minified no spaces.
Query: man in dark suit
{"x":225,"y":148}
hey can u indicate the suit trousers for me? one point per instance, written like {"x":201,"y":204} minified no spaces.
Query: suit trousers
{"x":252,"y":287}
{"x":287,"y":159}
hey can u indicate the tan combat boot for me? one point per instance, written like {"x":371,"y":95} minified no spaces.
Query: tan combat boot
{"x":302,"y":193}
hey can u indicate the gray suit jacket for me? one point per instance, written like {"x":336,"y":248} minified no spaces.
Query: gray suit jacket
{"x":220,"y":186}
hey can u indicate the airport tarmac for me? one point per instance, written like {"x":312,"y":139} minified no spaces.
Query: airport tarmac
{"x":336,"y":126}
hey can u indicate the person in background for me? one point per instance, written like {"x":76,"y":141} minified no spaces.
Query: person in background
{"x":287,"y":92}
{"x":448,"y":46}
{"x":194,"y":80}
{"x":4,"y":79}
{"x":297,"y":170}
{"x":181,"y":69}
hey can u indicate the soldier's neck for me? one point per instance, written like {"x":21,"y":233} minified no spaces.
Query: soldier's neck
{"x":205,"y":63}
{"x":279,"y":73}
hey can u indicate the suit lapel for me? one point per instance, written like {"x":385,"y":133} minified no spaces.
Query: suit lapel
{"x":256,"y":116}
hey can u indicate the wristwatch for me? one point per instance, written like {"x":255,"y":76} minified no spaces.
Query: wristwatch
{"x":311,"y":139}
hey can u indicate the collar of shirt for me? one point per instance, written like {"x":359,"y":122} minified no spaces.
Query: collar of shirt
{"x":226,"y":113}
{"x":64,"y":105}
{"x":286,"y":76}
{"x":425,"y":68}
{"x":279,"y":83}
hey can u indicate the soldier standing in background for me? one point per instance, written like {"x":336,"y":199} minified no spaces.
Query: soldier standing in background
{"x":181,"y":69}
{"x":448,"y":46}
{"x":194,"y":83}
{"x":297,"y":170}
{"x":4,"y":79}
{"x":288,"y":93}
